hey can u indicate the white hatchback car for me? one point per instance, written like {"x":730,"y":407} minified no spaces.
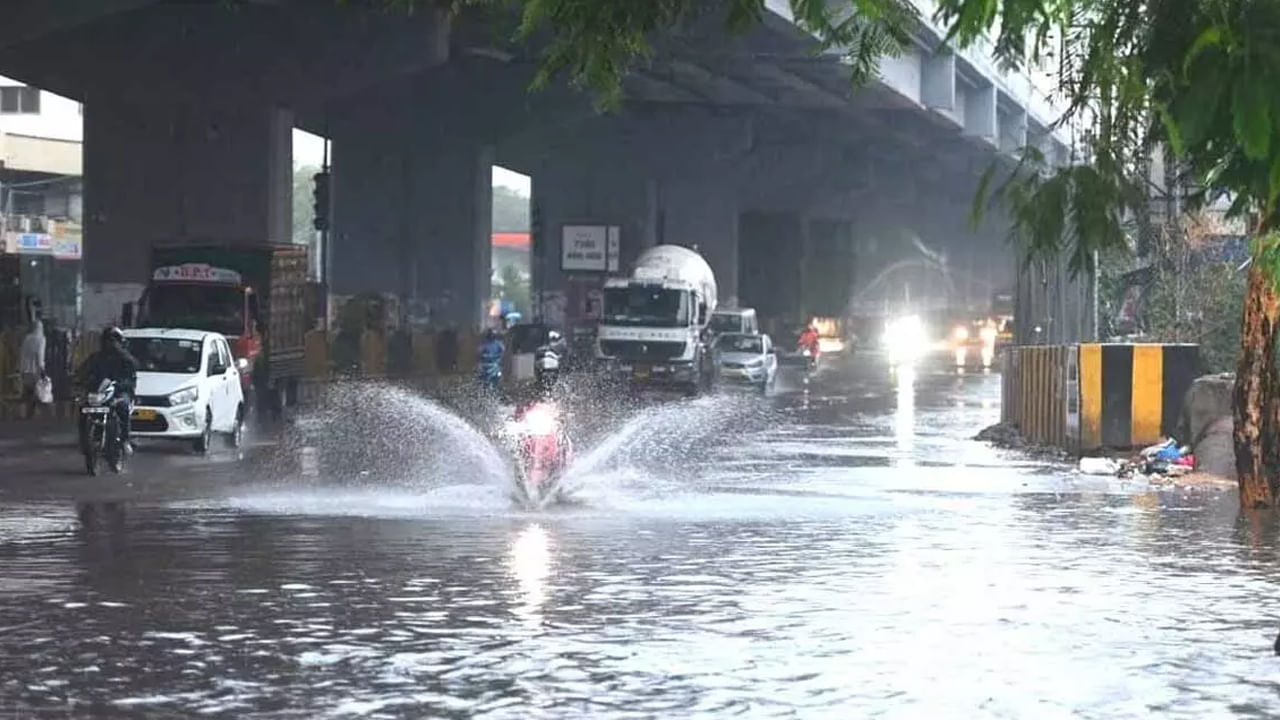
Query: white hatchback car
{"x":188,"y":387}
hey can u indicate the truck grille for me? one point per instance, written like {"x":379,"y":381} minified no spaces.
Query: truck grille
{"x":642,"y":350}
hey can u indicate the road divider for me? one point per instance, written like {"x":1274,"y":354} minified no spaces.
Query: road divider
{"x":1089,"y":397}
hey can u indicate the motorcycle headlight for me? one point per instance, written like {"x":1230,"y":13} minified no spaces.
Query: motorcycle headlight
{"x":184,"y":396}
{"x":94,"y":398}
{"x":540,"y":421}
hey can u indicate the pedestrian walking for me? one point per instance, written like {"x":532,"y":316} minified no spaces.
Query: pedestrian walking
{"x":32,"y":368}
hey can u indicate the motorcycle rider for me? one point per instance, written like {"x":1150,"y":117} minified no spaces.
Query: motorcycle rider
{"x":548,"y":360}
{"x":113,"y":362}
{"x":809,"y":340}
{"x":490,"y":365}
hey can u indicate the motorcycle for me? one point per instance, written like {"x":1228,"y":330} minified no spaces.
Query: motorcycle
{"x":810,"y":355}
{"x":489,"y":376}
{"x":542,"y":451}
{"x":546,"y":367}
{"x":100,"y":428}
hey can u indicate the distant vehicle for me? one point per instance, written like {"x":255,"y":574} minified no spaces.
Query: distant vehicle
{"x":653,"y":329}
{"x":254,"y":295}
{"x":739,"y":320}
{"x":747,"y":358}
{"x":790,"y":353}
{"x":188,"y":387}
{"x":974,"y":343}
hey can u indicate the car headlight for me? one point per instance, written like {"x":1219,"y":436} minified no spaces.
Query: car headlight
{"x":184,"y":396}
{"x":961,"y":333}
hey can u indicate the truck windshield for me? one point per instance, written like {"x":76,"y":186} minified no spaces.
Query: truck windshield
{"x":213,"y":308}
{"x":165,"y":355}
{"x":656,"y":306}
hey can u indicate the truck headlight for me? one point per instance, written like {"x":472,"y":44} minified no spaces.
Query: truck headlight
{"x":185,"y":396}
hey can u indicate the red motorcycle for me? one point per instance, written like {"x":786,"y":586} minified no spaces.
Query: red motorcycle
{"x":810,"y":349}
{"x":542,"y":452}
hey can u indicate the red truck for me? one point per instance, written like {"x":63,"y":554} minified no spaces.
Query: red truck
{"x":255,"y":295}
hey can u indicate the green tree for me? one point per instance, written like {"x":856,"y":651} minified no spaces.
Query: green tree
{"x":510,"y":210}
{"x":303,"y":207}
{"x":513,"y":285}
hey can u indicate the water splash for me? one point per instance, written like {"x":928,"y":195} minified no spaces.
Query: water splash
{"x":380,"y":433}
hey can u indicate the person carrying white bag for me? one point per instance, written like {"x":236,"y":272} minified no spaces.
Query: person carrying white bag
{"x":37,"y":389}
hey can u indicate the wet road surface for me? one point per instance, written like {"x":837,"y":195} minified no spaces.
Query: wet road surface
{"x":839,"y":553}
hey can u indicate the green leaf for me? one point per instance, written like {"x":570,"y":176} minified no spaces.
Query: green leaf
{"x":1251,"y":110}
{"x":1209,"y":37}
{"x":1198,"y":105}
{"x":1171,"y":129}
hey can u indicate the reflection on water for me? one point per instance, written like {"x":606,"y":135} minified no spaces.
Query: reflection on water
{"x":904,"y":418}
{"x":531,"y":565}
{"x":831,"y":591}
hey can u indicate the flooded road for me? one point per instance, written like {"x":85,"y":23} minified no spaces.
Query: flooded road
{"x":840,"y":553}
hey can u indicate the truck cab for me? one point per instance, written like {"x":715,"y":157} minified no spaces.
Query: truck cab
{"x":201,"y":297}
{"x":653,"y":329}
{"x":737,"y":320}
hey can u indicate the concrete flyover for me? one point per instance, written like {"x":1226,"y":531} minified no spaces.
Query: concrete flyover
{"x":751,"y":147}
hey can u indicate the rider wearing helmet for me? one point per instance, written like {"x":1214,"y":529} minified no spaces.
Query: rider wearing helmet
{"x":113,"y":362}
{"x":491,"y":352}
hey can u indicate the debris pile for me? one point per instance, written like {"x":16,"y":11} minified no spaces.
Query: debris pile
{"x":1163,"y":460}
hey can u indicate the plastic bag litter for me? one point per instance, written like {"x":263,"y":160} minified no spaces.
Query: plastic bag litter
{"x":44,"y":391}
{"x":1168,"y":449}
{"x":1099,"y":466}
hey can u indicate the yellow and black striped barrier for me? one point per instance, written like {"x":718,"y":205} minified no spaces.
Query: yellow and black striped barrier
{"x":1131,"y":395}
{"x":1093,"y":396}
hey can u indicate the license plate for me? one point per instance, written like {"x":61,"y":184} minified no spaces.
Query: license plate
{"x":144,"y":414}
{"x":642,"y":371}
{"x":93,"y":411}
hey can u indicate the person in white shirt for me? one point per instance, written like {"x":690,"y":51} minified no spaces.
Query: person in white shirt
{"x":31,"y":365}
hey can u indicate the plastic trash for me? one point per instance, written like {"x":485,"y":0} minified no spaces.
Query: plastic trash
{"x":1153,"y":450}
{"x":1185,"y":461}
{"x":1099,"y":466}
{"x":1169,"y":454}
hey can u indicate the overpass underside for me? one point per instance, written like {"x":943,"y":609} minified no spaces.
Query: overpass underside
{"x":751,"y":148}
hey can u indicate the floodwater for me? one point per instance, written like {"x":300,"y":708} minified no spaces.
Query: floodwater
{"x":839,"y":553}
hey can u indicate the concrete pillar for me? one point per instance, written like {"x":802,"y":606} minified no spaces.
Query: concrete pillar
{"x":173,"y":173}
{"x":413,"y":217}
{"x":578,"y":194}
{"x":370,"y":250}
{"x":451,"y":228}
{"x":705,"y":214}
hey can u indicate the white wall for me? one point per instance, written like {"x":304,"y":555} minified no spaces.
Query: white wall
{"x":59,"y":118}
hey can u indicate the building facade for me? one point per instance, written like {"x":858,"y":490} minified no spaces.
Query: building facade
{"x":41,"y":197}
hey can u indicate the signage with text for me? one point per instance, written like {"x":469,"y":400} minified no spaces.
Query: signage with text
{"x":584,"y":247}
{"x":196,"y":272}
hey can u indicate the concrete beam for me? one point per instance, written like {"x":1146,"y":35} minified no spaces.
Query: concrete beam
{"x":980,"y":116}
{"x":938,"y":83}
{"x":29,"y":20}
{"x":1013,"y":131}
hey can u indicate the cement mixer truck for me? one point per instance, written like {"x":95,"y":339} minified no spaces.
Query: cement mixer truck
{"x":653,"y":327}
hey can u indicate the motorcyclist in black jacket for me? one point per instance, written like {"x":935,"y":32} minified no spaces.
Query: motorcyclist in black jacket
{"x":113,"y":362}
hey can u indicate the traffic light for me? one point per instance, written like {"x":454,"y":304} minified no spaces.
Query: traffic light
{"x":321,"y":195}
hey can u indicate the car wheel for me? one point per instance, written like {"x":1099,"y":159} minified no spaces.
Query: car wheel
{"x":205,"y":442}
{"x":236,"y":437}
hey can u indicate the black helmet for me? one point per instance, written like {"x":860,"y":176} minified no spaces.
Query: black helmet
{"x":112,"y":335}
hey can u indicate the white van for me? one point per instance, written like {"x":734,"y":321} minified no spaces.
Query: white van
{"x":739,"y":320}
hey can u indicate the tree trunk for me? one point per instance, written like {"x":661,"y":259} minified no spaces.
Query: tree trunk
{"x":1257,"y":406}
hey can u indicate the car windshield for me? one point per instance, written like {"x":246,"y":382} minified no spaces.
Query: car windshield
{"x":725,"y":322}
{"x":653,"y":306}
{"x":213,"y":308}
{"x":166,"y":355}
{"x":741,"y":344}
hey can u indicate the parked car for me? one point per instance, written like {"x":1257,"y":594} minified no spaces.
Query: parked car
{"x":746,"y":358}
{"x":188,"y":387}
